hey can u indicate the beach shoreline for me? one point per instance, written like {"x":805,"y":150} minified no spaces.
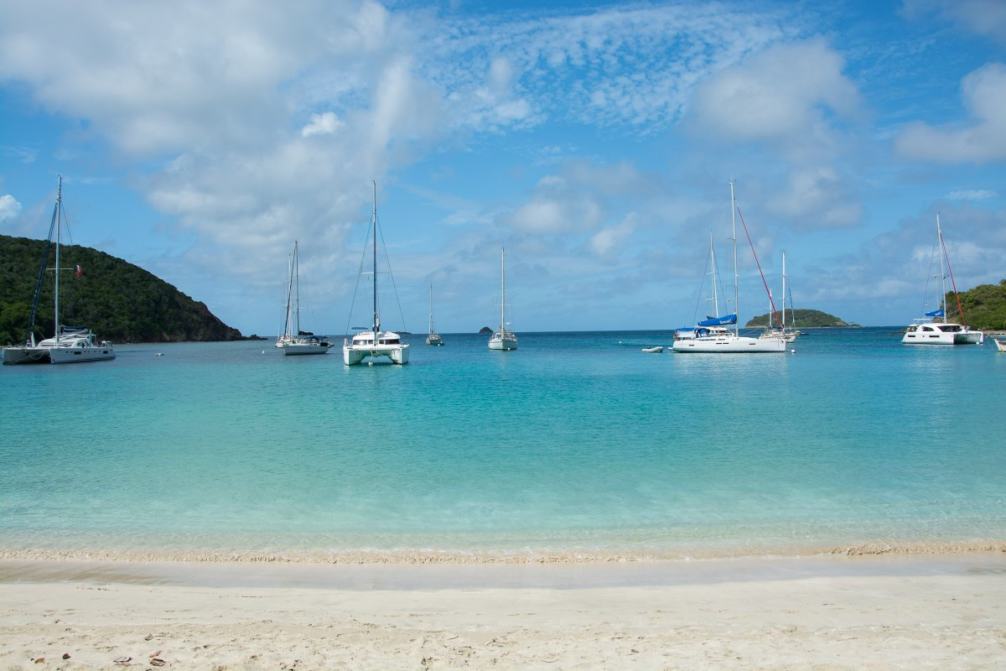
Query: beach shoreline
{"x":936,"y":612}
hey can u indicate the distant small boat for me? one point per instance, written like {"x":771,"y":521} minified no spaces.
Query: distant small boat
{"x":432,"y":337}
{"x":69,"y":344}
{"x":294,"y":341}
{"x":503,"y":340}
{"x":653,"y":350}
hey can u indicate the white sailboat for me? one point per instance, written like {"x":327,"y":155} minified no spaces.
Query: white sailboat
{"x":789,"y":335}
{"x":294,"y":341}
{"x":375,"y":343}
{"x":933,"y":328}
{"x":68,"y":344}
{"x":711,"y":335}
{"x":432,"y":337}
{"x":503,"y":339}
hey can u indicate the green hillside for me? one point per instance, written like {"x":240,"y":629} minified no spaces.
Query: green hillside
{"x":801,"y":319}
{"x":117,"y":300}
{"x":984,"y":306}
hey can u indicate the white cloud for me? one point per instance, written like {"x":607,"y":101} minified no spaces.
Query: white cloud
{"x":971,"y":194}
{"x":786,"y":93}
{"x":817,"y":197}
{"x":9,"y":207}
{"x":607,"y":240}
{"x":980,"y":139}
{"x":322,"y":124}
{"x":984,"y":17}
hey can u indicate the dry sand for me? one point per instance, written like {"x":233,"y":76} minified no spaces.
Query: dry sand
{"x":859,"y":619}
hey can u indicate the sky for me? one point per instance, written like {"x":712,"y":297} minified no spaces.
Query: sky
{"x":596,"y":141}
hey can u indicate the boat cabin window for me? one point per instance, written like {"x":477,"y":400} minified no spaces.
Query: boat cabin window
{"x":927,"y":328}
{"x":911,"y":329}
{"x":950,"y":328}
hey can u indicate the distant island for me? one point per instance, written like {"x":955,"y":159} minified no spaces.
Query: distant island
{"x":984,"y":306}
{"x":485,"y":330}
{"x":802,"y":319}
{"x":117,"y":300}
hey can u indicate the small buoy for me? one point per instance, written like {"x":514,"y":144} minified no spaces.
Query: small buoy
{"x":263,"y":351}
{"x":792,"y":351}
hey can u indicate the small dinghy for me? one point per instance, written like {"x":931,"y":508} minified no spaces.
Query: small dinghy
{"x":653,"y":350}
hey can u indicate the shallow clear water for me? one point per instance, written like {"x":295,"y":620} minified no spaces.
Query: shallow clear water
{"x":575,"y":442}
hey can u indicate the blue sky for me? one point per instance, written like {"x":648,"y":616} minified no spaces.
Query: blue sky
{"x":596,"y":140}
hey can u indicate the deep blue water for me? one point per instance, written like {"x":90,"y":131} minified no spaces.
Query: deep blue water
{"x":575,"y":441}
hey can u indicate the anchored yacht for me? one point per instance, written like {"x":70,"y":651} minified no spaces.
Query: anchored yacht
{"x":69,"y":344}
{"x":375,"y":343}
{"x":503,"y":339}
{"x":933,"y":328}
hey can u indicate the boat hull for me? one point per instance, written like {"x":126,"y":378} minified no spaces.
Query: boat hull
{"x":14,"y":356}
{"x":302,"y":349}
{"x":730,"y":345}
{"x":434,"y":340}
{"x":353,"y":355}
{"x":503,"y":344}
{"x":81,"y":354}
{"x":919,"y":337}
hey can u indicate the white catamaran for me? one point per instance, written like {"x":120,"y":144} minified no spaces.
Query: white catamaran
{"x":432,"y":337}
{"x":374,"y":342}
{"x":711,"y":335}
{"x":68,"y":344}
{"x":934,"y":329}
{"x":294,"y":341}
{"x":503,"y":339}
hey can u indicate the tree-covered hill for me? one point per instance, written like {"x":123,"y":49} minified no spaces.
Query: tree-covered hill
{"x":984,"y":306}
{"x":801,"y":319}
{"x":117,"y":300}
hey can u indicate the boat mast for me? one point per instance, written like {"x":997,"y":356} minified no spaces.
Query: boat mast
{"x":502,"y":289}
{"x":943,"y":270}
{"x":431,"y":309}
{"x":712,"y":256}
{"x":784,"y":291}
{"x":289,"y":293}
{"x":296,"y":271}
{"x":59,"y":228}
{"x":733,"y":237}
{"x":377,"y":319}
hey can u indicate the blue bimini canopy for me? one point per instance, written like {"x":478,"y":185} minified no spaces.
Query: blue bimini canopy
{"x":935,"y":313}
{"x":718,"y":321}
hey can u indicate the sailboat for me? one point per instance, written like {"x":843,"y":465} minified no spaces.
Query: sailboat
{"x":294,"y":341}
{"x":503,"y":339}
{"x":789,"y":335}
{"x":933,"y":328}
{"x":433,"y":338}
{"x":711,"y":335}
{"x":374,"y":343}
{"x":69,"y":344}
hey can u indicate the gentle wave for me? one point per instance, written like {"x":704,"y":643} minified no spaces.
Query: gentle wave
{"x":531,"y":557}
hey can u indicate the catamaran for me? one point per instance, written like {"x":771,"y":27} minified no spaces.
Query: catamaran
{"x":294,"y":341}
{"x":503,"y":339}
{"x":432,"y":337}
{"x":711,"y":335}
{"x":933,"y":328}
{"x":69,"y":344}
{"x":374,"y":343}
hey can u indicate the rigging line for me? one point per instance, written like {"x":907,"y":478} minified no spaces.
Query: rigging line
{"x":359,"y":274}
{"x":953,"y":282}
{"x":929,"y":276}
{"x":698,"y":293}
{"x":757,"y":262}
{"x":394,"y":286}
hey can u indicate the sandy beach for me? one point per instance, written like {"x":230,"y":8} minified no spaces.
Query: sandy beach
{"x":861,"y":613}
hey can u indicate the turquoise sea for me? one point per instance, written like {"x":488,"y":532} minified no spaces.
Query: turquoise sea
{"x":575,"y":444}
